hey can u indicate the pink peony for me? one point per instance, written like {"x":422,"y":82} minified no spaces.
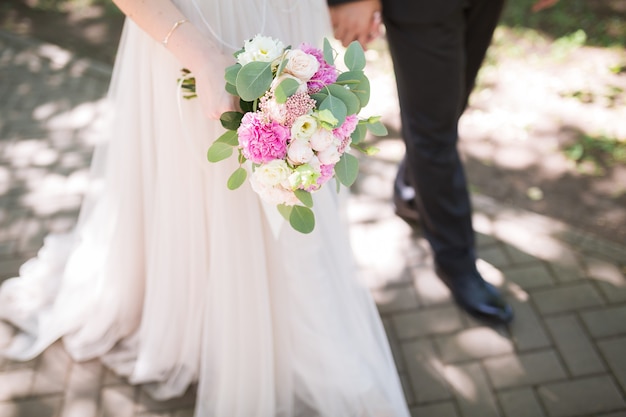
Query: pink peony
{"x":262,"y":142}
{"x":325,"y":75}
{"x":344,"y":131}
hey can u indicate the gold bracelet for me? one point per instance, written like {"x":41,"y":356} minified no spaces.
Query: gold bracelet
{"x":174,"y":27}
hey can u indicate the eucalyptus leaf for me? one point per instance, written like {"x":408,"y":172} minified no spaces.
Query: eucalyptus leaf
{"x":284,"y":210}
{"x":336,"y":107}
{"x":246,"y":106}
{"x":231,"y":89}
{"x":231,"y":73}
{"x":353,"y":104}
{"x":319,"y":97}
{"x":377,"y":129}
{"x":231,"y":120}
{"x":354,"y":57}
{"x":329,"y":53}
{"x":281,"y":67}
{"x":253,"y":80}
{"x":219,"y":151}
{"x":305,"y":197}
{"x":358,"y":84}
{"x":302,"y":219}
{"x":359,"y":134}
{"x":229,"y":137}
{"x":285,"y":89}
{"x":347,"y":169}
{"x":237,"y":178}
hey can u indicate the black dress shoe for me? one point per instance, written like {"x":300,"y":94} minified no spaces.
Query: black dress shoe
{"x":404,"y":199}
{"x":476,"y":296}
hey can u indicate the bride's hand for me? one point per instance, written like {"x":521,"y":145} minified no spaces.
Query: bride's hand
{"x":213,"y":98}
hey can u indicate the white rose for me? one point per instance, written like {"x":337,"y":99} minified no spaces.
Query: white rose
{"x":299,"y":152}
{"x":315,"y":164}
{"x":329,"y":156}
{"x":260,"y":48}
{"x":302,"y":88}
{"x":301,"y":64}
{"x":275,"y":111}
{"x":303,"y":127}
{"x":322,"y":139}
{"x":272,"y":173}
{"x":273,"y":195}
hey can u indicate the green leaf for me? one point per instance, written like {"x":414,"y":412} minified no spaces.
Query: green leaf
{"x":319,"y":97}
{"x":231,"y":119}
{"x":302,"y":219}
{"x":246,"y":106}
{"x":231,"y":73}
{"x":281,"y":67}
{"x":237,"y":178}
{"x":347,"y":169}
{"x":231,"y":89}
{"x":359,"y":134}
{"x":305,"y":197}
{"x":284,"y":210}
{"x":219,"y":151}
{"x":358,"y":84}
{"x":253,"y":80}
{"x":353,"y":105}
{"x":354,"y":57}
{"x":329,"y":53}
{"x":336,"y":107}
{"x":285,"y":89}
{"x":377,"y":129}
{"x":230,"y":137}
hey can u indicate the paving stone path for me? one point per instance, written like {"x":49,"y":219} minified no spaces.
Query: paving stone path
{"x":563,"y":356}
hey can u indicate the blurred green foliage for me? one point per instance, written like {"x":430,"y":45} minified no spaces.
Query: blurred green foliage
{"x":72,"y":5}
{"x":602,"y":22}
{"x":596,"y":152}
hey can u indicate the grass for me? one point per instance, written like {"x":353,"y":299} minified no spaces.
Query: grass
{"x":594,"y":154}
{"x":603,"y":22}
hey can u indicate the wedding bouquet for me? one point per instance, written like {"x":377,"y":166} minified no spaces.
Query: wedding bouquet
{"x":297,"y":124}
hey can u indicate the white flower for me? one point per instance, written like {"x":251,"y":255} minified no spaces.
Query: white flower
{"x":272,"y":173}
{"x":322,"y":139}
{"x":273,"y":195}
{"x":260,"y":48}
{"x":302,"y":88}
{"x":275,"y":111}
{"x":299,"y":151}
{"x":329,"y":155}
{"x":303,"y":127}
{"x":315,"y":164}
{"x":301,"y":64}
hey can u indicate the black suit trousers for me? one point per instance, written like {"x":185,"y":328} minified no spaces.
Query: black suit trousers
{"x":436,"y":62}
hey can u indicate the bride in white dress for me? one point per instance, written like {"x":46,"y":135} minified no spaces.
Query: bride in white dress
{"x":171,"y":278}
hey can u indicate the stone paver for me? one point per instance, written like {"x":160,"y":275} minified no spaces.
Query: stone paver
{"x":563,"y":356}
{"x":520,"y":403}
{"x":575,"y":347}
{"x":581,"y":397}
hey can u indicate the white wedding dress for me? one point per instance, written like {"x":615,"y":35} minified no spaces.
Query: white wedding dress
{"x":172,"y":279}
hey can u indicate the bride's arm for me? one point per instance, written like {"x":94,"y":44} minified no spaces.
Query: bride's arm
{"x":195,"y":51}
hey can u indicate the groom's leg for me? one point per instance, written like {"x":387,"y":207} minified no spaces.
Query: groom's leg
{"x":429,"y":61}
{"x":433,"y":70}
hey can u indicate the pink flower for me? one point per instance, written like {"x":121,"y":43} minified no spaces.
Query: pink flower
{"x":297,"y":105}
{"x":344,"y":131}
{"x":262,"y":142}
{"x":326,"y":173}
{"x":325,"y":75}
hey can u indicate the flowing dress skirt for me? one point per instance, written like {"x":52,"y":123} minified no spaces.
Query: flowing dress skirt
{"x":173,"y":279}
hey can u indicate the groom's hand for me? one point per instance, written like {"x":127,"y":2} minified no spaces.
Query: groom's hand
{"x":356,"y":21}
